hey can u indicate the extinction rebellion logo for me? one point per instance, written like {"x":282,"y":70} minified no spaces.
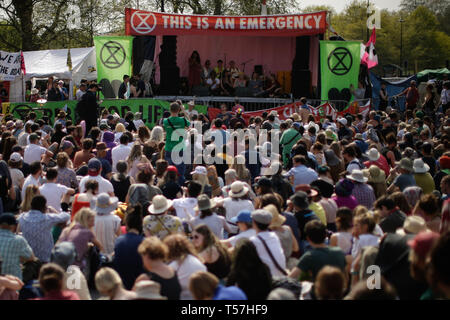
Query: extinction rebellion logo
{"x":340,"y":61}
{"x":112,"y":55}
{"x":143,"y":22}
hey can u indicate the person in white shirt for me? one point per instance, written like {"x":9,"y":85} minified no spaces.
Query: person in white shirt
{"x":237,"y":202}
{"x":121,"y":152}
{"x":81,"y":91}
{"x":107,"y":224}
{"x":244,"y":223}
{"x":184,"y":260}
{"x":22,"y":139}
{"x":94,"y":173}
{"x":34,"y":178}
{"x":17,"y":177}
{"x":191,"y":111}
{"x":266,"y":241}
{"x":184,"y":207}
{"x":363,"y":231}
{"x":55,"y":193}
{"x":34,"y":152}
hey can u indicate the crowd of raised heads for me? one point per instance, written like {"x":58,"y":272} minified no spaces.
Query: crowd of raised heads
{"x":301,"y":208}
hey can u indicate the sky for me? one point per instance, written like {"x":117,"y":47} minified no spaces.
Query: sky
{"x":339,"y":5}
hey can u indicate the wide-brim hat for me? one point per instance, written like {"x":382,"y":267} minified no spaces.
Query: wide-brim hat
{"x":406,"y":164}
{"x":306,"y":188}
{"x":104,"y":203}
{"x":238,"y":189}
{"x":34,"y":91}
{"x":101,"y":146}
{"x":373,"y":154}
{"x":358,"y":176}
{"x":204,"y":203}
{"x":413,"y":225}
{"x":160,"y":204}
{"x":420,"y":166}
{"x":277,"y":219}
{"x":375,"y":174}
{"x":148,"y":289}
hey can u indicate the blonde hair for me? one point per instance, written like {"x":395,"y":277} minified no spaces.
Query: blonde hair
{"x":200,"y":178}
{"x":214,"y":181}
{"x":202,"y":285}
{"x":120,"y":127}
{"x":108,"y":281}
{"x":30,"y":192}
{"x":82,"y":217}
{"x":135,"y":153}
{"x":360,"y":210}
{"x":239,"y":166}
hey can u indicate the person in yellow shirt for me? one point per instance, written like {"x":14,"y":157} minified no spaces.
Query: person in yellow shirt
{"x":314,"y":206}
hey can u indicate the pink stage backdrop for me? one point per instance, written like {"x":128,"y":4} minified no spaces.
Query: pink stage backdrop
{"x":273,"y":53}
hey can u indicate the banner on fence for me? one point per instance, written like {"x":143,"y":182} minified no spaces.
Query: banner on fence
{"x":319,"y":113}
{"x":151,"y":109}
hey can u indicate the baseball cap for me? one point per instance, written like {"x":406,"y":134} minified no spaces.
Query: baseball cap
{"x":423,"y":242}
{"x":262,"y":216}
{"x":343,"y":121}
{"x":8,"y":219}
{"x":296,"y":125}
{"x":67,"y":144}
{"x":200,"y":170}
{"x":243,"y":216}
{"x":94,"y":165}
{"x":15,"y":157}
{"x":173,"y":169}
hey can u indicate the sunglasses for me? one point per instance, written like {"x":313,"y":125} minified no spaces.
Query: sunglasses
{"x":195,"y":237}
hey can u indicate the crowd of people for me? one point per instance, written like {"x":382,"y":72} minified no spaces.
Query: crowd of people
{"x":224,"y":208}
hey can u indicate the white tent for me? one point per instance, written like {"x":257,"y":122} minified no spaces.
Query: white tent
{"x":46,"y":63}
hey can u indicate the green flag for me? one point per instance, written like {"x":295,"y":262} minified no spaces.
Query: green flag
{"x":339,"y":65}
{"x":113,"y":62}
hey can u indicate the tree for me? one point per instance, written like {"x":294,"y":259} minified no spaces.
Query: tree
{"x":424,"y":41}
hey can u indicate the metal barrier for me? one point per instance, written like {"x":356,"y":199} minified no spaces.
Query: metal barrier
{"x":254,"y":104}
{"x":249,"y":104}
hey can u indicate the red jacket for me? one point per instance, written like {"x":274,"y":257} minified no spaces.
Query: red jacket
{"x":380,"y":163}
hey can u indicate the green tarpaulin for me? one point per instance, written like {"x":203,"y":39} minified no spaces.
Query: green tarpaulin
{"x":428,"y":74}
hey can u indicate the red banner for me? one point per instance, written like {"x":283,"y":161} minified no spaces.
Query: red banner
{"x":139,"y":23}
{"x":284,"y":112}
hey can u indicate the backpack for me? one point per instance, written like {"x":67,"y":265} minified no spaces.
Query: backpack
{"x":3,"y":186}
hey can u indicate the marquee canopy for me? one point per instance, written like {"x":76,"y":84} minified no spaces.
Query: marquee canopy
{"x":140,"y":23}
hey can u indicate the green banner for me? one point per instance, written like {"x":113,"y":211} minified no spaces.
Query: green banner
{"x":113,"y":62}
{"x":151,"y":109}
{"x":339,"y":65}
